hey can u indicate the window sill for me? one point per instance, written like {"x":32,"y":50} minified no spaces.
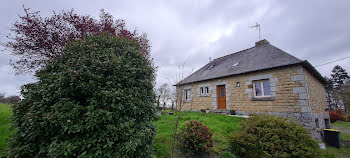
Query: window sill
{"x":263,"y":99}
{"x":204,"y":95}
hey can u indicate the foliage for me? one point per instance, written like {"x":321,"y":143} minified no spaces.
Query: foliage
{"x":345,"y":89}
{"x":337,"y":91}
{"x":272,"y":136}
{"x":227,"y":154}
{"x":195,"y":137}
{"x":5,"y":112}
{"x":332,"y":96}
{"x":96,"y":100}
{"x":9,"y":100}
{"x":339,"y":75}
{"x":36,"y":39}
{"x":163,"y":94}
{"x":336,"y":115}
{"x":220,"y":125}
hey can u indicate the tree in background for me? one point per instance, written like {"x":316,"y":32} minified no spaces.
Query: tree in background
{"x":346,"y":96}
{"x":9,"y":100}
{"x":339,"y":76}
{"x":332,"y":99}
{"x":337,"y":89}
{"x":2,"y":97}
{"x":96,"y":100}
{"x":36,"y":39}
{"x":163,"y":95}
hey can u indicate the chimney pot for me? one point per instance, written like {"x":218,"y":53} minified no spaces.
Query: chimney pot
{"x":261,"y":42}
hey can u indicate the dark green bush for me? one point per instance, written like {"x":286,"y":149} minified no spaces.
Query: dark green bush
{"x":273,"y":137}
{"x":227,"y":154}
{"x":96,"y":100}
{"x":195,"y":137}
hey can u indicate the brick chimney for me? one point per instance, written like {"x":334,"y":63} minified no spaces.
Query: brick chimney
{"x":261,"y":42}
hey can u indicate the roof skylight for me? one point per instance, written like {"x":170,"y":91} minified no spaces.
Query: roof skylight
{"x":235,"y":65}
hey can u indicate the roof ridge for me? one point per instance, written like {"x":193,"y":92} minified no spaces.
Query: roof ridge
{"x":233,"y":53}
{"x":224,"y":67}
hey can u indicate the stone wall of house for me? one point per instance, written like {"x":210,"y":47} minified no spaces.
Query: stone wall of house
{"x":295,"y":94}
{"x":318,"y":104}
{"x":284,"y":96}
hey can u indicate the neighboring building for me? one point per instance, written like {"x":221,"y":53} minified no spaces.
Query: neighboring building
{"x":261,"y":79}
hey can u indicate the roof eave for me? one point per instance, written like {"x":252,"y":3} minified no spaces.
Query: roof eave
{"x":313,"y":71}
{"x":304,"y":63}
{"x":179,"y":84}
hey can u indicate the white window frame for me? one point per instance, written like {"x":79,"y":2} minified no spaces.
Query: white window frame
{"x":187,"y":94}
{"x":204,"y":91}
{"x":262,"y":89}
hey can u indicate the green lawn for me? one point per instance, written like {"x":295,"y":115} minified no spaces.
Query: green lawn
{"x":341,"y":124}
{"x":5,"y":113}
{"x":344,"y":151}
{"x":220,"y":125}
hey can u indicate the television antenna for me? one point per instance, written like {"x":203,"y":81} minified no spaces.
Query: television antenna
{"x":257,"y":26}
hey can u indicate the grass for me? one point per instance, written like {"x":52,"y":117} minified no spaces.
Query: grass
{"x":344,"y":125}
{"x":345,"y":136}
{"x":341,"y":124}
{"x":220,"y":125}
{"x":344,"y":151}
{"x":5,"y":113}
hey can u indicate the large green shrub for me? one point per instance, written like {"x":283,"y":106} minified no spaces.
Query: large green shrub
{"x":96,"y":100}
{"x":195,"y":137}
{"x":273,"y":137}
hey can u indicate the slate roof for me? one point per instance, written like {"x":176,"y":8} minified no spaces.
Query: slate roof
{"x":260,"y":57}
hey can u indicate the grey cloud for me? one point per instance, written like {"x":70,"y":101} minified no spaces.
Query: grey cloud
{"x":189,"y":32}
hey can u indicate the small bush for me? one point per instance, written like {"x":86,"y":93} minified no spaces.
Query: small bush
{"x":336,"y":115}
{"x":271,"y":136}
{"x":227,"y":154}
{"x":195,"y":137}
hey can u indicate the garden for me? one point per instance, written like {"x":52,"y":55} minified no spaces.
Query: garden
{"x":225,"y":130}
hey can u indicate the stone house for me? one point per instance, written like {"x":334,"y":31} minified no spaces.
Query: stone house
{"x":261,"y":79}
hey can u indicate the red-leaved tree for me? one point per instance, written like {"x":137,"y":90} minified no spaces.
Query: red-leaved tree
{"x":36,"y":39}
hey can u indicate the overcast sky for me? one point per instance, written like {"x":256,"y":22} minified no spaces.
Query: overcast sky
{"x":189,"y":32}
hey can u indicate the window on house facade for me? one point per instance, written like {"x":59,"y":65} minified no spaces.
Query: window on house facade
{"x":317,"y":123}
{"x":238,"y":84}
{"x":204,"y":91}
{"x":326,"y":121}
{"x":262,"y":88}
{"x":187,"y":94}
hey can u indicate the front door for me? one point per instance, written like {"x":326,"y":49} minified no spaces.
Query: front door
{"x":221,"y":97}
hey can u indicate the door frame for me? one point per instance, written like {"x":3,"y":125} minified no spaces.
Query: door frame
{"x":218,"y":92}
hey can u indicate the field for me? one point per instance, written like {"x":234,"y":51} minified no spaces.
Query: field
{"x":220,"y":125}
{"x":5,"y":113}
